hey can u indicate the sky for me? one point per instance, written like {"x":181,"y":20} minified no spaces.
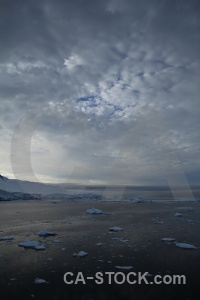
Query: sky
{"x":100,"y":91}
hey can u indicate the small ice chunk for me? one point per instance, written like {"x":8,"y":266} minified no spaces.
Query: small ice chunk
{"x":6,"y":238}
{"x":29,"y":244}
{"x":186,"y":246}
{"x":115,"y":229}
{"x":81,"y":254}
{"x":123,"y":267}
{"x":45,"y":233}
{"x":38,"y":280}
{"x":178,"y":215}
{"x":40,"y":247}
{"x":168,"y":240}
{"x":135,"y":200}
{"x":94,"y":211}
{"x":99,"y":244}
{"x":123,"y":240}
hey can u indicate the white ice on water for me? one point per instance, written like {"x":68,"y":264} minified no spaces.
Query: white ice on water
{"x":28,"y":244}
{"x":178,"y":215}
{"x":115,"y":229}
{"x":136,"y":200}
{"x":39,"y":280}
{"x":6,"y":238}
{"x":44,"y":233}
{"x":40,"y":247}
{"x":168,"y":240}
{"x":57,"y":241}
{"x":123,"y":240}
{"x":81,"y":254}
{"x":99,"y":244}
{"x":186,"y":246}
{"x":94,"y":211}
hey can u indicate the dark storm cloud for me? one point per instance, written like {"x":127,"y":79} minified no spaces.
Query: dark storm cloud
{"x":135,"y":64}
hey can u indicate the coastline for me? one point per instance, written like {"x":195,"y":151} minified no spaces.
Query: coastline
{"x":144,"y":225}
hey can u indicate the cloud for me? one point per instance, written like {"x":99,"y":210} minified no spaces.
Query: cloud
{"x":110,"y":87}
{"x":72,"y":62}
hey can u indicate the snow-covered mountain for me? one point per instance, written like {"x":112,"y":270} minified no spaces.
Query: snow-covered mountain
{"x":13,"y":189}
{"x":14,"y":185}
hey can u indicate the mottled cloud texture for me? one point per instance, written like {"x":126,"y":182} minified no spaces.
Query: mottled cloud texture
{"x":100,"y":91}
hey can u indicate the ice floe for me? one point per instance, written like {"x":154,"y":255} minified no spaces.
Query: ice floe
{"x":94,"y":211}
{"x":178,"y":215}
{"x":39,"y":280}
{"x":168,"y":240}
{"x":123,"y":240}
{"x":57,"y":241}
{"x":81,"y":254}
{"x":28,"y":244}
{"x":40,"y":247}
{"x":115,"y":229}
{"x":45,"y":233}
{"x":136,"y":200}
{"x":124,"y":267}
{"x":186,"y":246}
{"x":6,"y":238}
{"x":99,"y":244}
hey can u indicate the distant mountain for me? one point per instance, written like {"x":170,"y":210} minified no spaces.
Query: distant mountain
{"x":13,"y":189}
{"x":15,"y":185}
